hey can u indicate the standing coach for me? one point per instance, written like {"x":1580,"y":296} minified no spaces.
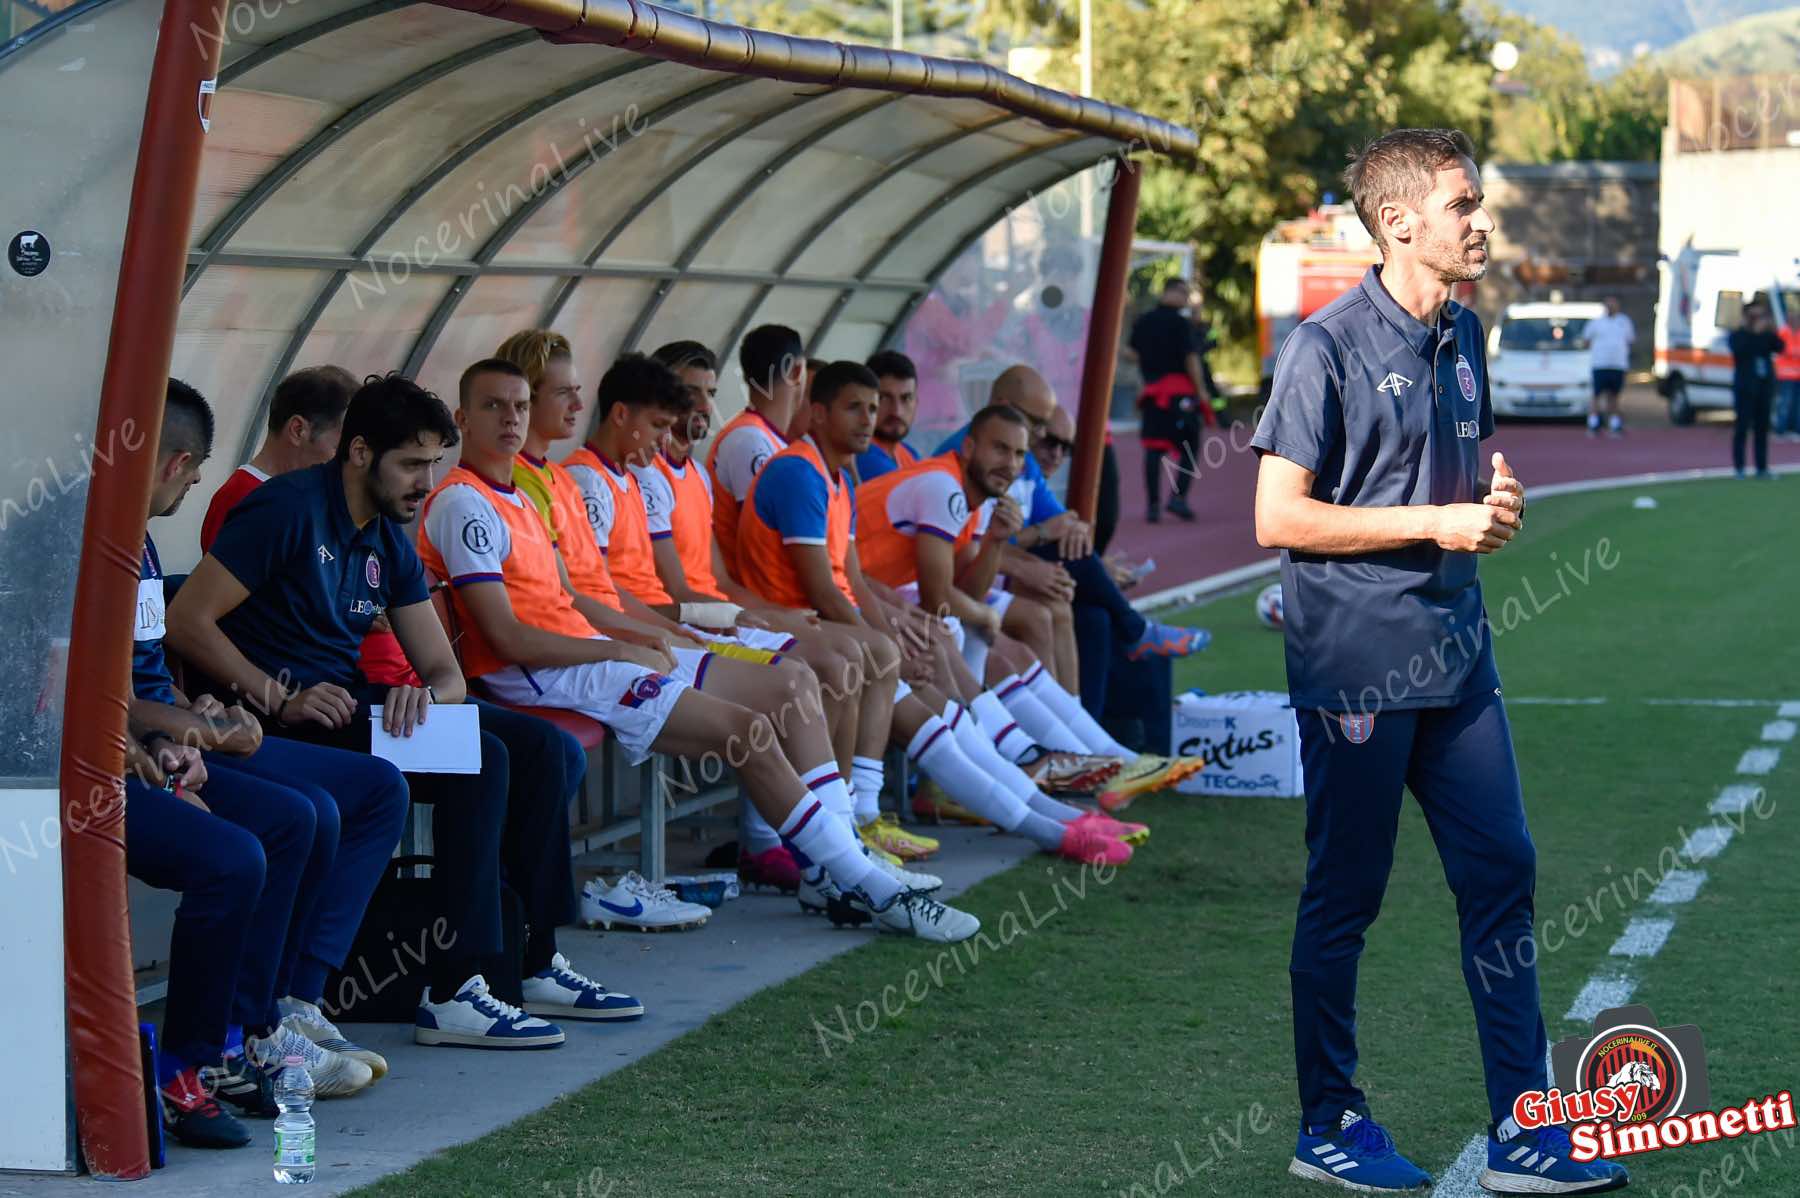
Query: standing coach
{"x":1368,"y":483}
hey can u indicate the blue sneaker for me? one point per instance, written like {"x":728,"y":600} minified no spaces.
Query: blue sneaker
{"x":1358,"y":1155}
{"x":561,"y":993}
{"x":473,"y":1018}
{"x":1168,"y":640}
{"x":1538,"y":1162}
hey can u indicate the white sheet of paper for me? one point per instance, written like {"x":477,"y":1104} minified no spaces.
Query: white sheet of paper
{"x":448,"y":742}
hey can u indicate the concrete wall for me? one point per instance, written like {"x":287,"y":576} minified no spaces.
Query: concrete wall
{"x":1586,"y":229}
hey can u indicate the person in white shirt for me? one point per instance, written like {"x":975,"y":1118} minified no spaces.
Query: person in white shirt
{"x":1609,"y":344}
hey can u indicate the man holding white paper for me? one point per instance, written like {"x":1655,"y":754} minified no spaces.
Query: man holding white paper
{"x":276,"y":612}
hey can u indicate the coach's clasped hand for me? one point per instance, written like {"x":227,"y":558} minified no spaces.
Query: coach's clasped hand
{"x":1486,"y":526}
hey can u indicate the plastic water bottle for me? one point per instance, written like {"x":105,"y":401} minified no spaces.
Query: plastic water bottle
{"x":294,"y":1126}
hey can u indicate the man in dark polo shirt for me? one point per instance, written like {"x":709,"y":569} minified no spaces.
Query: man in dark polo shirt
{"x":276,"y":613}
{"x":1368,"y":483}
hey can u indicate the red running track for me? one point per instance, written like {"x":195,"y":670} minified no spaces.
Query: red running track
{"x":1223,"y":489}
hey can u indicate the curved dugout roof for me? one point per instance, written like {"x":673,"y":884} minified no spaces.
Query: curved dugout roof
{"x":401,"y":185}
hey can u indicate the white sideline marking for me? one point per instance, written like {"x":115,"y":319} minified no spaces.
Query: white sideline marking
{"x":1707,"y":702}
{"x":1458,"y":1181}
{"x":1779,"y":730}
{"x":1678,"y":886}
{"x":1791,"y":707}
{"x":1535,"y":701}
{"x":1643,"y":937}
{"x":1758,"y":761}
{"x":1706,"y":842}
{"x":1734,"y":799}
{"x":1598,"y":995}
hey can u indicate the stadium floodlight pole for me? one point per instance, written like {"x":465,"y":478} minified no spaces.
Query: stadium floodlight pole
{"x":899,"y":7}
{"x":102,"y":1001}
{"x":1086,"y":182}
{"x":1103,"y":340}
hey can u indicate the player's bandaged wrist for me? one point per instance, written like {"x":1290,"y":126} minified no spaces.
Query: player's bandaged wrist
{"x":711,"y":615}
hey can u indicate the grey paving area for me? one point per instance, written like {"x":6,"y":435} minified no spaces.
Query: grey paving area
{"x":436,"y":1098}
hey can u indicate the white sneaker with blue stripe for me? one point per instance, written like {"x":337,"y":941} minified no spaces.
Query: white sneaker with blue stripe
{"x":1538,"y":1162}
{"x":1357,"y":1155}
{"x":562,"y":992}
{"x":473,"y":1018}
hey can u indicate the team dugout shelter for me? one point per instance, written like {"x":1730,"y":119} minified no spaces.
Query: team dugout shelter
{"x":226,"y":191}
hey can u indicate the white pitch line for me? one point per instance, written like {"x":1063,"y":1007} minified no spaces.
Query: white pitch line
{"x":1678,"y":886}
{"x":1791,"y":707}
{"x":1600,"y":994}
{"x":1706,"y":842}
{"x":1537,"y":701}
{"x":1643,"y":937}
{"x":1458,"y":1181}
{"x":1758,"y":761}
{"x":1779,"y":730}
{"x":1735,"y":799}
{"x":1708,"y":702}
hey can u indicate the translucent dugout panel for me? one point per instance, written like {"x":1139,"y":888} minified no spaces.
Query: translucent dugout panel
{"x":494,"y":309}
{"x":520,"y":172}
{"x":372,"y":322}
{"x":331,"y":204}
{"x":72,"y":145}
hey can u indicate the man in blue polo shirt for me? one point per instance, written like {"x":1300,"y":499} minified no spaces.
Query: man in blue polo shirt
{"x":1369,"y":485}
{"x":276,"y":613}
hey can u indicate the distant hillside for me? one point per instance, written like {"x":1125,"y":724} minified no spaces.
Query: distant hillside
{"x":1760,"y":44}
{"x":1611,"y":33}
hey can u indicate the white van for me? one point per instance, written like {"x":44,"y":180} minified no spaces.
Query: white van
{"x":1702,"y":300}
{"x":1538,"y":359}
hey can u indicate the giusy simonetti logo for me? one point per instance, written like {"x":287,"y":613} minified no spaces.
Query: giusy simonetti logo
{"x":1631,"y":1086}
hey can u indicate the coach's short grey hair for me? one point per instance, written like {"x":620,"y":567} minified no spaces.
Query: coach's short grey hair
{"x":1399,"y":166}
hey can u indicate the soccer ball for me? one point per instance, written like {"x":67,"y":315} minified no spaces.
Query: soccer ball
{"x":1268,"y":606}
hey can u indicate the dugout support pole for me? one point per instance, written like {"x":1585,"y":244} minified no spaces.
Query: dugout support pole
{"x":1103,"y":340}
{"x":102,"y":1004}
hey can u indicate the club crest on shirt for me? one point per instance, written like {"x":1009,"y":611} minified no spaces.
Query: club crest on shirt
{"x":959,"y":506}
{"x":1465,"y":378}
{"x":1357,"y":728}
{"x":475,"y":536}
{"x":372,"y":572}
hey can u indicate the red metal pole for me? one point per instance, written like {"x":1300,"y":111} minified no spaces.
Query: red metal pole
{"x":109,"y":1090}
{"x":1103,"y":340}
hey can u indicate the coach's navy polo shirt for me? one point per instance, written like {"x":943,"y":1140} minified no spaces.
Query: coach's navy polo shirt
{"x":1386,"y":413}
{"x":316,"y":581}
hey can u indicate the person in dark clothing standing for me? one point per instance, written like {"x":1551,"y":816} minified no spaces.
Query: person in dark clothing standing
{"x":1753,"y":349}
{"x":1175,"y":387}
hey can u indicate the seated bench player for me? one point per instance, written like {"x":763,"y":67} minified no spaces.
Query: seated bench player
{"x":797,"y":546}
{"x":356,"y":806}
{"x":615,"y":584}
{"x":526,"y":639}
{"x":678,"y":497}
{"x":888,"y":450}
{"x":276,"y":613}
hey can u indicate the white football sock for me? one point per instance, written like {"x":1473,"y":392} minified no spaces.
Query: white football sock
{"x":754,"y":831}
{"x":1002,"y":729}
{"x":975,"y":653}
{"x":868,"y":774}
{"x":817,"y":839}
{"x":937,"y":752}
{"x":972,"y":738}
{"x":826,"y":783}
{"x":1068,"y":709}
{"x":1056,"y":809}
{"x":1039,"y":722}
